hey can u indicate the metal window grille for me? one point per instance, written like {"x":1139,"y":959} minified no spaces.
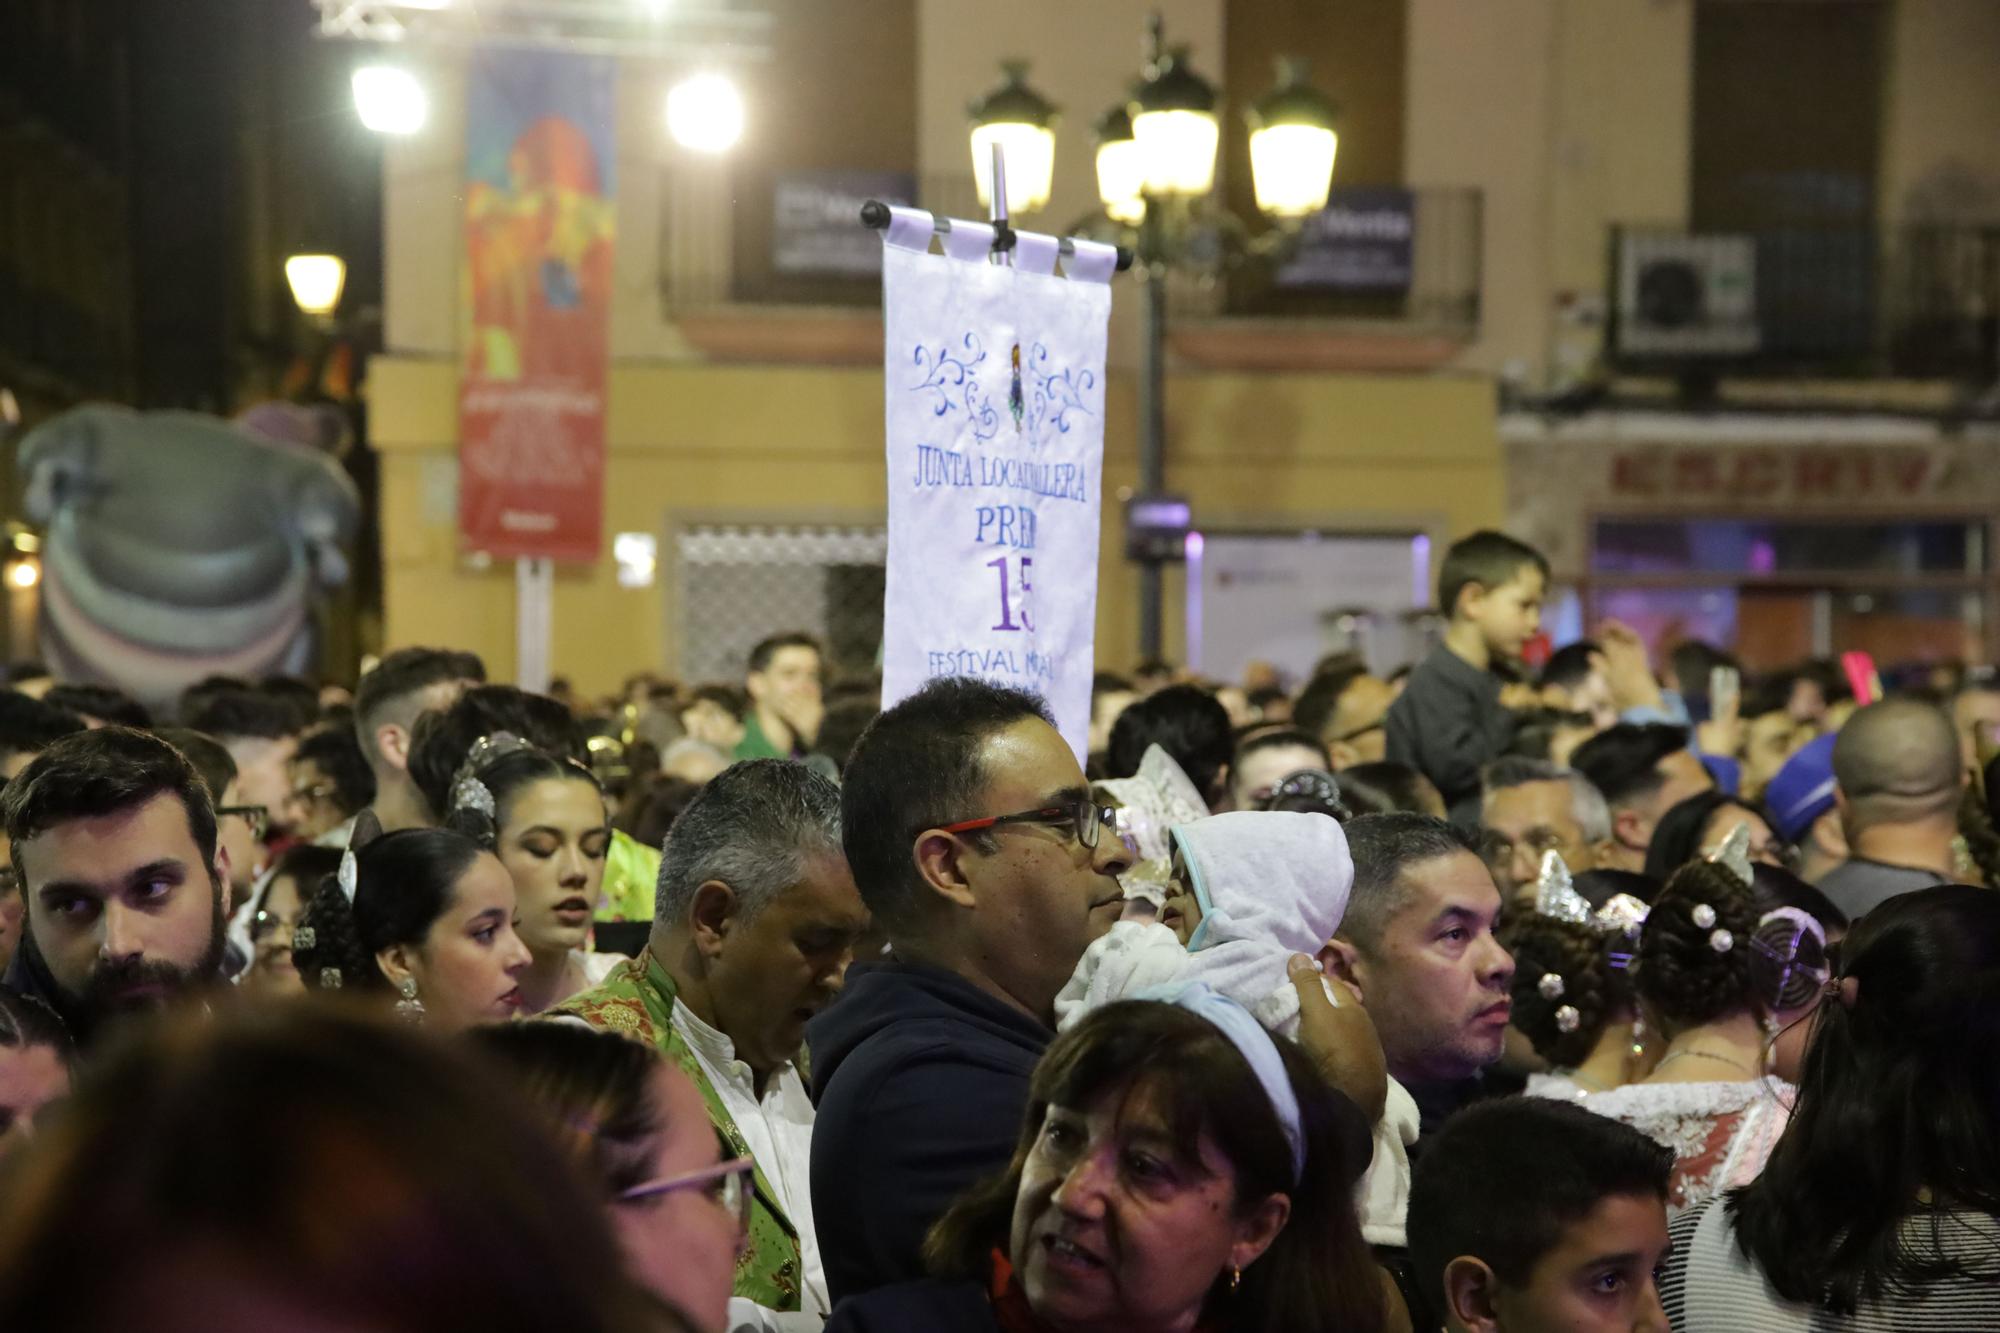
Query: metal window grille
{"x":739,"y":583}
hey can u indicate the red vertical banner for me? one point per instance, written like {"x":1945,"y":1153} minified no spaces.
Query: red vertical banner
{"x":535,"y":297}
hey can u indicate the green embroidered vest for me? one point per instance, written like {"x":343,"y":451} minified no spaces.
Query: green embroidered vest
{"x":637,"y":1001}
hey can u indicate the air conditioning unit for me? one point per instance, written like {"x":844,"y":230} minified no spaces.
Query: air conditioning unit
{"x":1686,"y":297}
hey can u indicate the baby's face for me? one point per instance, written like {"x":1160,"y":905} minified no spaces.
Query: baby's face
{"x":1182,"y":911}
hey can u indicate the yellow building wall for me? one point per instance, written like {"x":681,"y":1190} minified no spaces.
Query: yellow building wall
{"x":803,"y":444}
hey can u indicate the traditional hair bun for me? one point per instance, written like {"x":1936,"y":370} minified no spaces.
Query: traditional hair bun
{"x":1694,"y":955}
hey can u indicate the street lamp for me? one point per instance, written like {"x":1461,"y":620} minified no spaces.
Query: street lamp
{"x":1121,"y":179}
{"x":1023,"y":123}
{"x":1292,"y":145}
{"x":316,"y":281}
{"x":1173,"y":123}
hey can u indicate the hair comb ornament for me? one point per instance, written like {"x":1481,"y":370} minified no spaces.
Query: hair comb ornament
{"x":1733,"y":854}
{"x":1780,"y":932}
{"x":467,"y":791}
{"x":1550,"y":986}
{"x":348,"y":877}
{"x":303,"y":939}
{"x":1568,"y":1019}
{"x":329,"y":978}
{"x":1556,"y":896}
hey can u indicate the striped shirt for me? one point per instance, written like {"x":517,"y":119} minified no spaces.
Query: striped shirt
{"x":1712,"y":1287}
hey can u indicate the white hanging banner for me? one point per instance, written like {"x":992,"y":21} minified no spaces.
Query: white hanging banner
{"x":995,"y":405}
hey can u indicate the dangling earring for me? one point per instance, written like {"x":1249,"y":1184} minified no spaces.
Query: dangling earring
{"x":1235,"y":1278}
{"x":409,"y":1008}
{"x":1638,"y":1038}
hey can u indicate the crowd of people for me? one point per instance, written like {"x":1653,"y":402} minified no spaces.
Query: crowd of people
{"x":1490,"y":996}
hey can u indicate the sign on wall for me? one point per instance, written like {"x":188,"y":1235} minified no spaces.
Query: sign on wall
{"x":995,"y":409}
{"x":536,"y":304}
{"x":1364,"y":240}
{"x":812,"y":220}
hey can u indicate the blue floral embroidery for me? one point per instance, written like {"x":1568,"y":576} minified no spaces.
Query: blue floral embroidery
{"x":1057,"y":394}
{"x":952,"y":377}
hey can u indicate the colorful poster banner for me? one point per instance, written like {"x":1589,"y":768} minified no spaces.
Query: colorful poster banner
{"x":535,"y":304}
{"x":995,"y":408}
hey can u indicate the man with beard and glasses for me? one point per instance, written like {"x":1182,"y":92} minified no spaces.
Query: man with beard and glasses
{"x":114,"y":845}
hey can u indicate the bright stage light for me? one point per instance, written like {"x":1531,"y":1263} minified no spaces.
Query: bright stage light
{"x":390,"y":100}
{"x":705,"y":114}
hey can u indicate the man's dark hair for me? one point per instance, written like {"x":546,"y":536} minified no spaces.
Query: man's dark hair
{"x":210,"y":757}
{"x":1486,"y":558}
{"x":1320,"y":699}
{"x":101,"y":702}
{"x":440,"y":742}
{"x":196,"y":696}
{"x":1108,"y":682}
{"x":766,"y":649}
{"x":1503,"y":1179}
{"x":917,"y":767}
{"x":1186,"y":722}
{"x":1282,"y":738}
{"x":298,"y":695}
{"x":400,"y":677}
{"x":28,"y":1021}
{"x":728,"y":698}
{"x":1570,"y":665}
{"x":1384,"y":848}
{"x":29,"y":726}
{"x":1623,"y":761}
{"x":232,"y":714}
{"x":1535,"y":731}
{"x":103,"y":772}
{"x":1693,"y":660}
{"x":1383,"y":788}
{"x":1264,"y":696}
{"x":336,"y":752}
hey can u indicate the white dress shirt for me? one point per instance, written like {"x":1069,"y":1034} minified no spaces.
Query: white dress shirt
{"x":778,"y":1128}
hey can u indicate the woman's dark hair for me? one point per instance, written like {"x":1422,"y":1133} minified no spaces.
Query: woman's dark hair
{"x":1677,"y":838}
{"x":305,"y":865}
{"x":404,"y":881}
{"x":371,"y":1175}
{"x":1318,"y":1274}
{"x":592,"y":1089}
{"x":1379,"y":789}
{"x":506,"y":776}
{"x":1897,"y":1096}
{"x":1774,"y":962}
{"x":1679,"y":971}
{"x":1599,"y":887}
{"x":1598,"y":991}
{"x":440,"y":741}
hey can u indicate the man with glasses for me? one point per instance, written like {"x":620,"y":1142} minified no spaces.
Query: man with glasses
{"x":239,"y":826}
{"x":330,"y":784}
{"x":979,"y":851}
{"x":755,"y":922}
{"x":1529,"y":808}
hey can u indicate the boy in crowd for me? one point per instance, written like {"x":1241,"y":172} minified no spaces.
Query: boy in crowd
{"x":1528,"y":1214}
{"x":1454,"y":718}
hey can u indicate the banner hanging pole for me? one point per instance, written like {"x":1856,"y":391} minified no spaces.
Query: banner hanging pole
{"x":534,"y":594}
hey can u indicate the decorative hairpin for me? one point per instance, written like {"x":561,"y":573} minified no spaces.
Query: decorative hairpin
{"x":349,"y":876}
{"x":1703,"y":917}
{"x":467,"y":791}
{"x":1733,"y":854}
{"x":1786,"y":954}
{"x":1556,"y":896}
{"x":329,"y":978}
{"x":1550,"y":986}
{"x":1568,"y":1019}
{"x":303,"y":939}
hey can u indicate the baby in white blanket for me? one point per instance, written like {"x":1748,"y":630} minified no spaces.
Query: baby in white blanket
{"x":1249,"y":889}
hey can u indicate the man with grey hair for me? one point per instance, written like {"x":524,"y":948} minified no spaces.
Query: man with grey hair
{"x":755,"y":922}
{"x":1898,"y":781}
{"x":1529,"y":808}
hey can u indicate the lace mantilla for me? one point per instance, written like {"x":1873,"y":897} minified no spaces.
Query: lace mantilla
{"x":1720,"y":1133}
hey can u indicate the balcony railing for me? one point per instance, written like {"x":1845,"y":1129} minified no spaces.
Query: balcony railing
{"x":1407,"y":260}
{"x":1911,"y":302}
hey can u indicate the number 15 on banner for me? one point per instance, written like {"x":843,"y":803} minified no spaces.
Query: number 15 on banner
{"x":1015,"y":614}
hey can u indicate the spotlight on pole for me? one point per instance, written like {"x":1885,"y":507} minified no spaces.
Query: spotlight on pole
{"x":705,"y":114}
{"x":390,"y":100}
